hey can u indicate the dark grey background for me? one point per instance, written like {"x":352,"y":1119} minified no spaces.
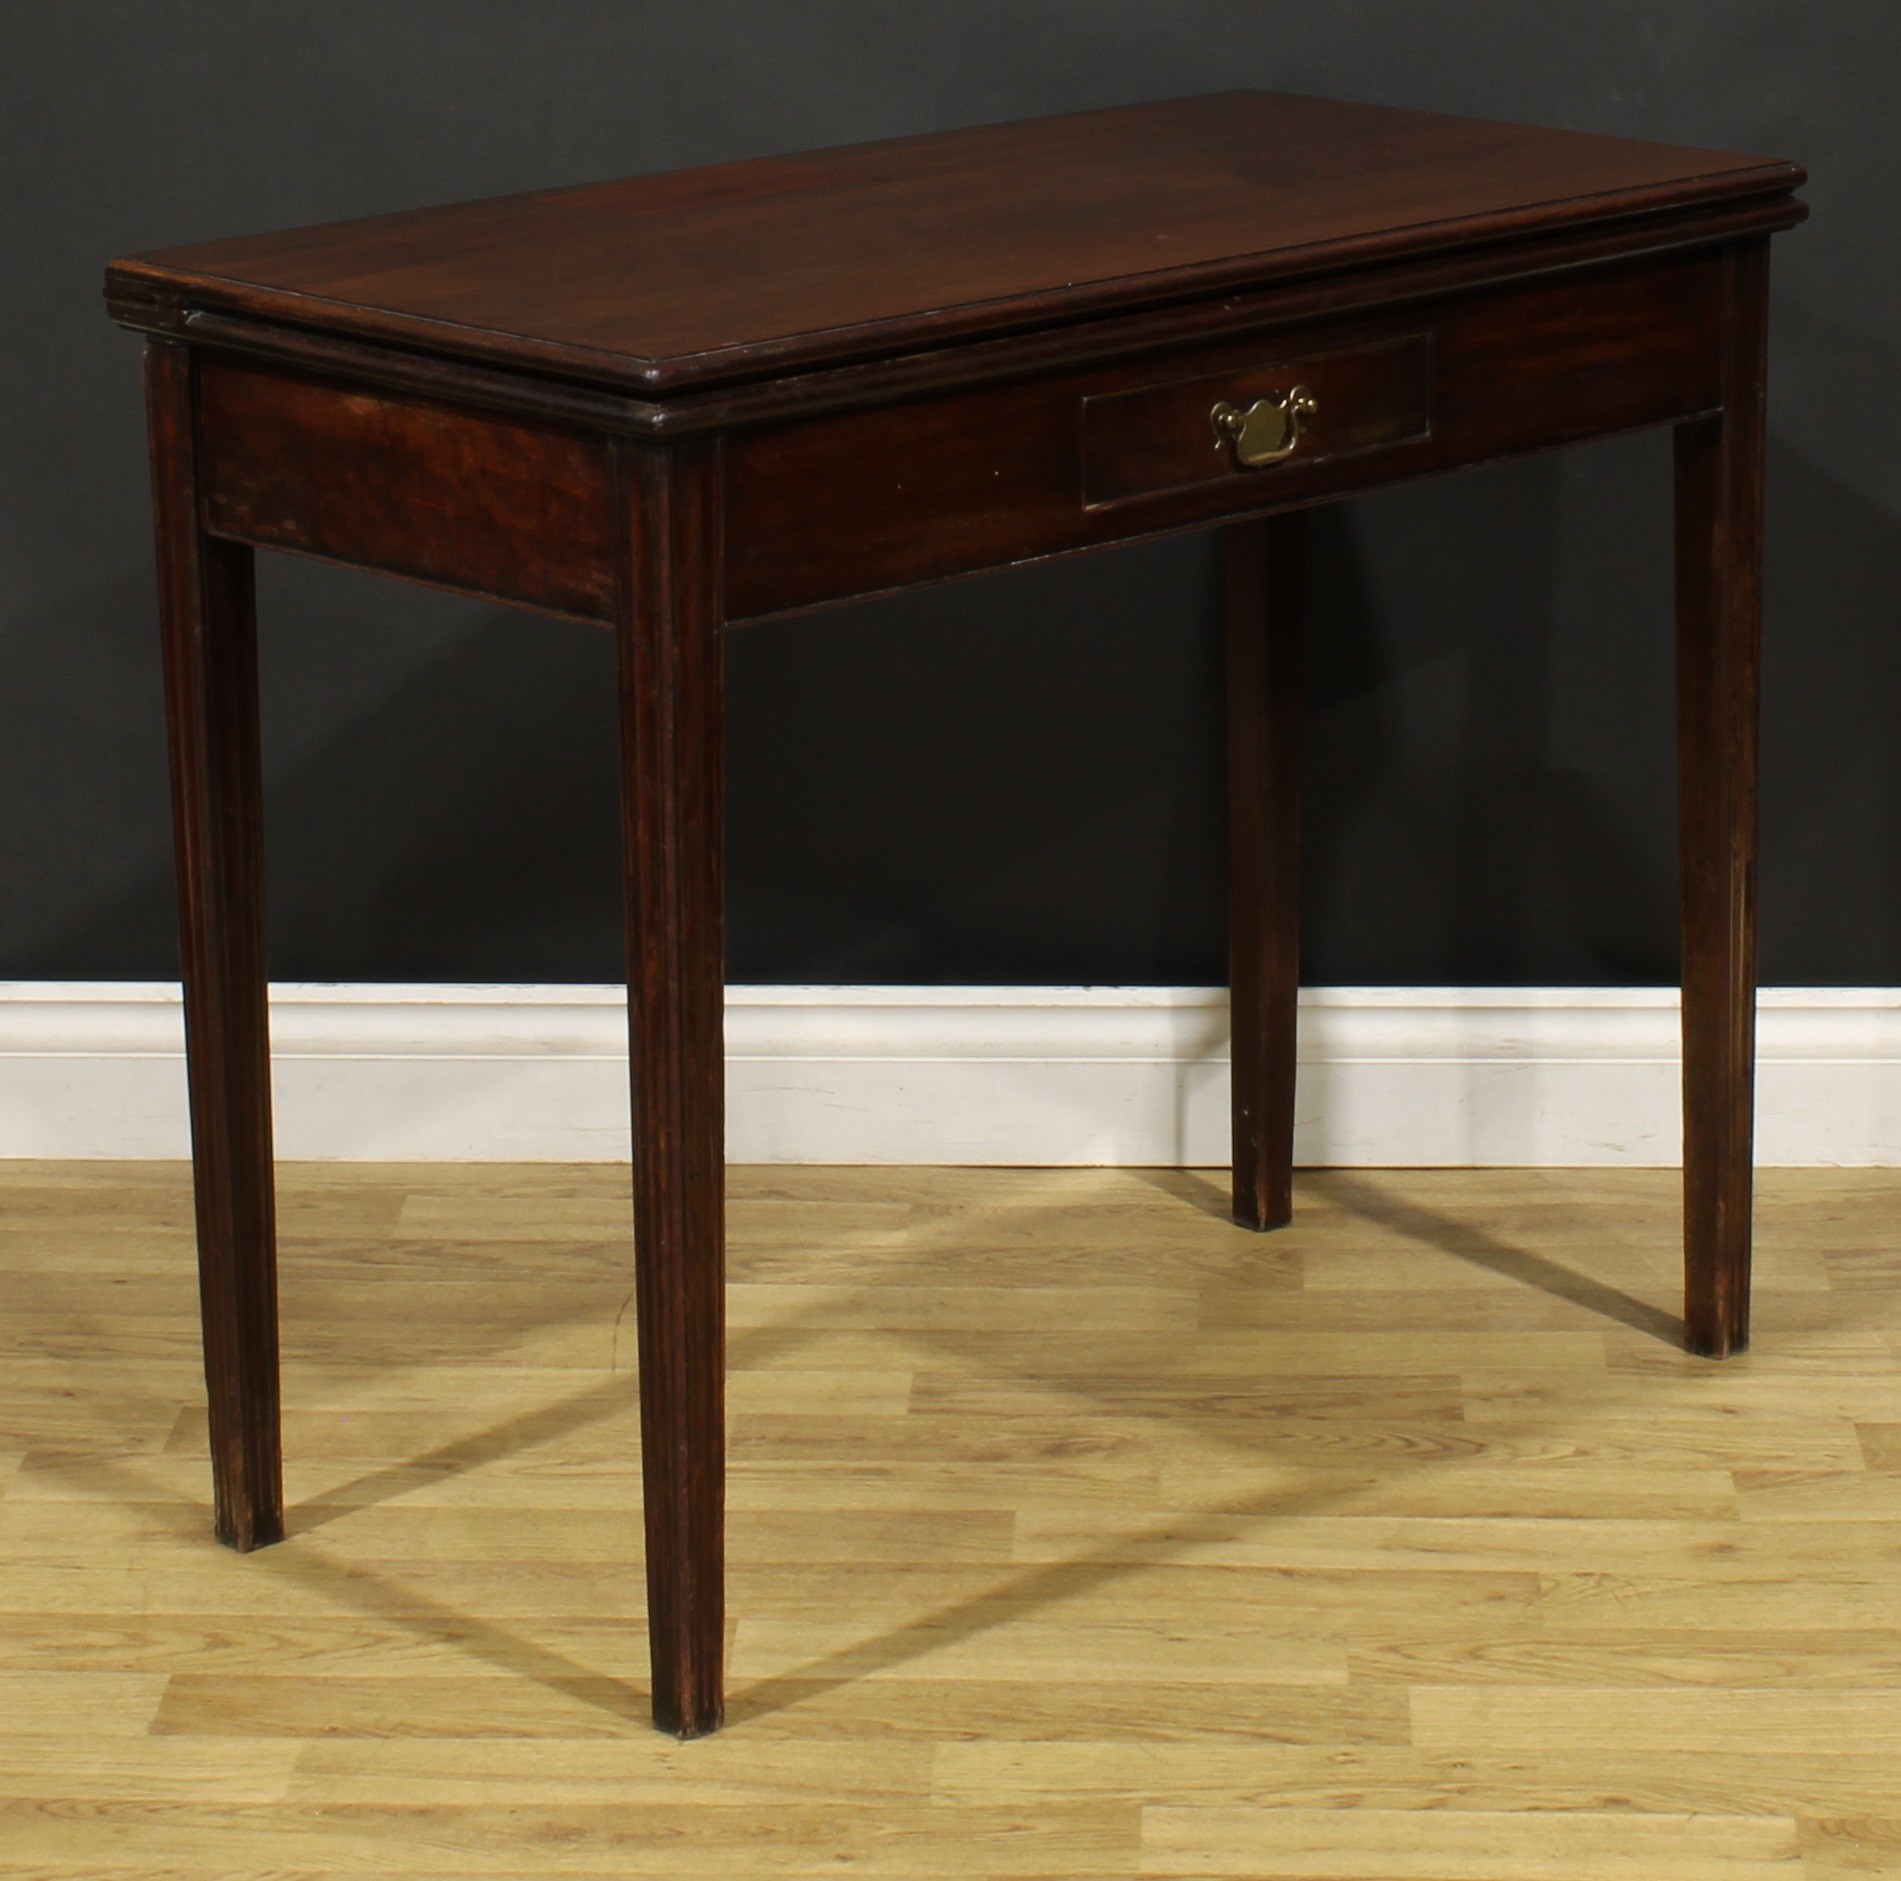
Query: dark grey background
{"x":1015,"y":778}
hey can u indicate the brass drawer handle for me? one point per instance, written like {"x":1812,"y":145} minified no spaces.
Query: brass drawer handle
{"x":1267,"y":430}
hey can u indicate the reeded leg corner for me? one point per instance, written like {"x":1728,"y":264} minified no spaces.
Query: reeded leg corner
{"x":1719,"y":509}
{"x":670,"y":676}
{"x":208,"y":622}
{"x":1263,"y":575}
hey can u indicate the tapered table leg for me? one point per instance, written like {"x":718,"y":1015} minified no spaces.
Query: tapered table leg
{"x":670,"y":668}
{"x":1719,"y":506}
{"x":208,"y":622}
{"x":1263,"y":570}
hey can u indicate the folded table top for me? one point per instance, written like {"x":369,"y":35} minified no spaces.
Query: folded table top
{"x":737,"y":271}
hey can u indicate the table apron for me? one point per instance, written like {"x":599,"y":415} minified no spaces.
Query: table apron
{"x":510,"y":508}
{"x":524,"y":510}
{"x":866,"y":501}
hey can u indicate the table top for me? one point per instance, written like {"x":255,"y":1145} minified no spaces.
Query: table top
{"x":781,"y":264}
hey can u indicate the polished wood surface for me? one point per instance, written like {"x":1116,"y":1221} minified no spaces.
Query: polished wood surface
{"x":1075,"y":1533}
{"x":680,"y":403}
{"x":783,"y":263}
{"x":934,"y":368}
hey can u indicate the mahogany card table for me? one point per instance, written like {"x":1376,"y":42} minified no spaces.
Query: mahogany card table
{"x":675,"y":404}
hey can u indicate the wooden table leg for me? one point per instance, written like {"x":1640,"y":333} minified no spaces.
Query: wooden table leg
{"x":1263,"y":568}
{"x":208,"y":621}
{"x":668,"y":634}
{"x":1719,"y":477}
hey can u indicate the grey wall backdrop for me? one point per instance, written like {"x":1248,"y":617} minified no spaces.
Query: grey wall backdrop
{"x":1016,"y":778}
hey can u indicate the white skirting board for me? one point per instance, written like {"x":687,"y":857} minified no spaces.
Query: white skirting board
{"x":1026,"y":1075}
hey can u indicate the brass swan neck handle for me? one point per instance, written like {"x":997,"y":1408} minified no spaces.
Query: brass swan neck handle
{"x":1266,"y":431}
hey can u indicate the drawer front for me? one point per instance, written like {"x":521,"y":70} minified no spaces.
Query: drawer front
{"x":1157,"y":438}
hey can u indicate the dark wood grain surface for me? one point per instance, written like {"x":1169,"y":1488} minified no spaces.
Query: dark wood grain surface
{"x":780,"y":263}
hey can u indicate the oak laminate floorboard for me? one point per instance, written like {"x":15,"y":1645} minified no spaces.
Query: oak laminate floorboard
{"x":1073,"y":1533}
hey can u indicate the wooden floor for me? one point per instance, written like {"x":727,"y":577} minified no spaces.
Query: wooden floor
{"x":1074,"y":1533}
